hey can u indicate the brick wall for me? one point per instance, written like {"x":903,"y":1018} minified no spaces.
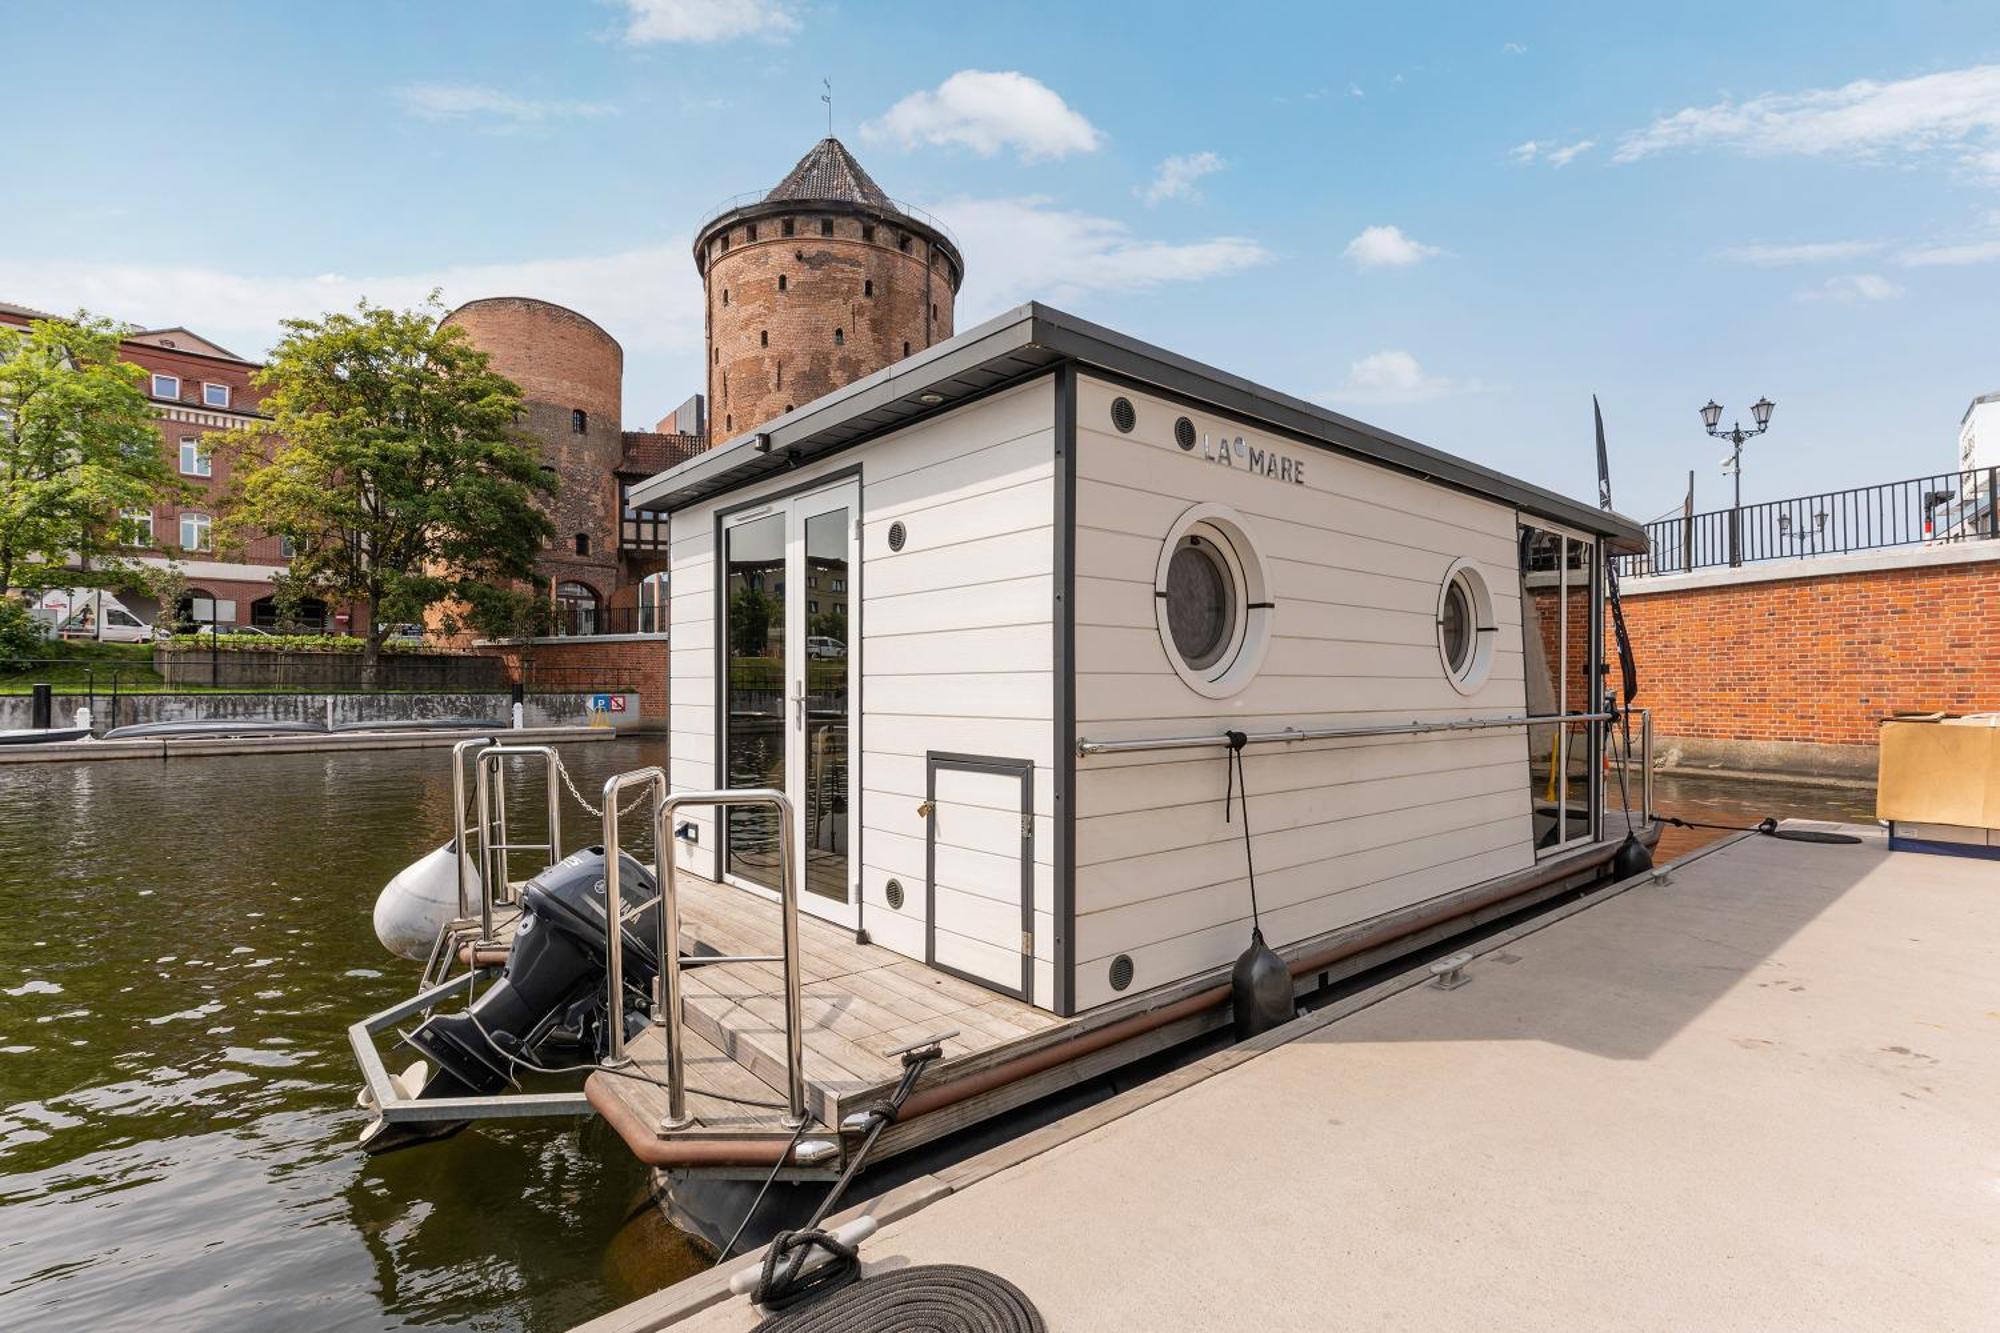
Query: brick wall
{"x":771,"y":348}
{"x":615,"y":662}
{"x":1819,"y":659}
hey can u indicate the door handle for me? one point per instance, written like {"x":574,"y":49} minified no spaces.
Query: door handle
{"x":799,"y":699}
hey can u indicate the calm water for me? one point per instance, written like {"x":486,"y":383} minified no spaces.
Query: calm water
{"x":184,"y":947}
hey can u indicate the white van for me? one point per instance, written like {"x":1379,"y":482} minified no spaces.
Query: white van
{"x":92,"y":613}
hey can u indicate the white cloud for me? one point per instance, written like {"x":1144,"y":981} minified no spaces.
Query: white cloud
{"x":1354,"y":90}
{"x":1176,"y":177}
{"x":1513,"y":48}
{"x":1556,"y":155}
{"x":1956,"y":111}
{"x":987,"y":111}
{"x":1390,"y":377}
{"x":649,"y":299}
{"x":464,"y":101}
{"x":1805,"y":252}
{"x":1852,"y":287}
{"x":1929,"y":256}
{"x":1562,"y":157}
{"x":649,"y":21}
{"x":1388,"y":247}
{"x":1025,"y":249}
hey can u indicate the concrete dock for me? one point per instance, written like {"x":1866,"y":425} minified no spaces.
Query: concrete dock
{"x":1758,"y":1093}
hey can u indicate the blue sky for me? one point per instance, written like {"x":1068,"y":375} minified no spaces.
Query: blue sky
{"x":1457,"y":221}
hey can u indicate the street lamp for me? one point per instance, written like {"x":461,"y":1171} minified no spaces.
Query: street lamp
{"x":1711,"y":418}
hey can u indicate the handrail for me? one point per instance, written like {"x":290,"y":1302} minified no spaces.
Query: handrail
{"x":670,"y":961}
{"x":614,"y":909}
{"x":1288,"y":735}
{"x":1646,"y":752}
{"x":492,"y":819}
{"x":461,"y":832}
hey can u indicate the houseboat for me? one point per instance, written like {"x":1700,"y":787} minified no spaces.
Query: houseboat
{"x":1013,"y":689}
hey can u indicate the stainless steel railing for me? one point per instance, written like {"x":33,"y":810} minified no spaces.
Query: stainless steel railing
{"x":667,"y":1006}
{"x":491,"y":823}
{"x":1085,"y":747}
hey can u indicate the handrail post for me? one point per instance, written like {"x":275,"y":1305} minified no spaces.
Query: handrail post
{"x":460,"y":832}
{"x":614,"y":908}
{"x":1646,"y":761}
{"x":789,"y":888}
{"x":483,"y":794}
{"x":668,"y":1011}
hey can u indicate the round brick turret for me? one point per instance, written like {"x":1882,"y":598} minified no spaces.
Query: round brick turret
{"x":571,"y":374}
{"x":816,"y":284}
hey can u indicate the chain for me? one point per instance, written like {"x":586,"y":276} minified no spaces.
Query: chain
{"x":627,"y":809}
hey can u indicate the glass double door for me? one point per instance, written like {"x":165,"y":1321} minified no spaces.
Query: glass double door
{"x":789,"y":709}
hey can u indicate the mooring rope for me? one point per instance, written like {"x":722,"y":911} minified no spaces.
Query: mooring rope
{"x":1235,"y":790}
{"x":929,"y":1298}
{"x":1768,"y":826}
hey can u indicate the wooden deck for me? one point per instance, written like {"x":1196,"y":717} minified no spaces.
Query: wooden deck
{"x":859,"y":1001}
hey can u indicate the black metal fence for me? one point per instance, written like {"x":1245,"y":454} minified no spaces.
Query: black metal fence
{"x":573,"y":621}
{"x":1948,"y":507}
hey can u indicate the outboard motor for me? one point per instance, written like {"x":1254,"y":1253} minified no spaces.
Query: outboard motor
{"x":552,"y":988}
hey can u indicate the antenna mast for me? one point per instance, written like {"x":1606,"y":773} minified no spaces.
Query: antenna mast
{"x":827,"y":97}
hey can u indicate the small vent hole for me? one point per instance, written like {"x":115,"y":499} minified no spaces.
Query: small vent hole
{"x":1122,"y":415}
{"x":893,"y":891}
{"x":1184,"y":433}
{"x":1121,"y":966}
{"x":897,"y":535}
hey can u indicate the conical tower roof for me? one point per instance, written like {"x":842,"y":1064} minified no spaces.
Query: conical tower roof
{"x":829,"y":173}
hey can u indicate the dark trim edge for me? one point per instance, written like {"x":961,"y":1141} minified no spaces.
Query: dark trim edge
{"x":1063,"y":761}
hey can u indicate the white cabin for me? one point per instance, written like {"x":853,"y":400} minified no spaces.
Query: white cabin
{"x":920,"y":604}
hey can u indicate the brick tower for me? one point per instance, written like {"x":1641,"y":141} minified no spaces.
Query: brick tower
{"x":814,"y":285}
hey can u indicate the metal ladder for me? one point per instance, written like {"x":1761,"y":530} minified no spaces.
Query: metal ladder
{"x":483,"y":846}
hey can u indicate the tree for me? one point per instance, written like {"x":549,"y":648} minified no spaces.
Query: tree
{"x":391,"y":462}
{"x":77,"y":446}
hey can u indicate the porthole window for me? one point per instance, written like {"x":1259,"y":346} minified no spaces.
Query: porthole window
{"x":1210,"y":600}
{"x":1465,"y":628}
{"x":1184,"y":433}
{"x":1122,"y":415}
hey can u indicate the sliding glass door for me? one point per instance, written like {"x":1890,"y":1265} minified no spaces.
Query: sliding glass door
{"x":788,"y":709}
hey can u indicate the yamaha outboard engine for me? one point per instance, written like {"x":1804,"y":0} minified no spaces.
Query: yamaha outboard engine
{"x":553,"y":986}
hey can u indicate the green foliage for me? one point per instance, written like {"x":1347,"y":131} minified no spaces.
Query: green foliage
{"x":501,"y":613}
{"x":169,"y":585}
{"x":750,"y":612}
{"x":20,"y":637}
{"x":77,"y":445}
{"x":286,"y":643}
{"x":392,"y":464}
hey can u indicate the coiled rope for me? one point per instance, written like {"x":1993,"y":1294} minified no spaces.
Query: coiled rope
{"x":929,"y":1298}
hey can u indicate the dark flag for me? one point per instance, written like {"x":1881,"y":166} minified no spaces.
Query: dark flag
{"x":1628,"y":670}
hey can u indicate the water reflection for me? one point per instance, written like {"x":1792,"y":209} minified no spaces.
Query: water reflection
{"x":187,"y":944}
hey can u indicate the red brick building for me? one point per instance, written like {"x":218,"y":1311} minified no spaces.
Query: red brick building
{"x":198,"y":389}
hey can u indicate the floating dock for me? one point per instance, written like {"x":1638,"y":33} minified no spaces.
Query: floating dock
{"x":1754,"y":1090}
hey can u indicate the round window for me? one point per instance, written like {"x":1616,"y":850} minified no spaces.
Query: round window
{"x":1465,"y":627}
{"x":1201,"y":602}
{"x":1209,"y":598}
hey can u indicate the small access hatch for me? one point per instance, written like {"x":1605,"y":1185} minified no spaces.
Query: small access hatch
{"x":980,"y":859}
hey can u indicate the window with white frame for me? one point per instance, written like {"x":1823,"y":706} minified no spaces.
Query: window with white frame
{"x":166,"y":386}
{"x":194,"y":457}
{"x":214,"y":395}
{"x":196,"y":532}
{"x":1465,"y":627}
{"x":1210,"y":601}
{"x":287,"y":548}
{"x":135,"y":527}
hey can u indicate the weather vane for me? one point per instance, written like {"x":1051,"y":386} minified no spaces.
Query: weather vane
{"x":827,"y":97}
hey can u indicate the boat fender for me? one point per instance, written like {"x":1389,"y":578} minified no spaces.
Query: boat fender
{"x":1260,"y":985}
{"x":1631,"y":858}
{"x":414,"y":906}
{"x":1260,"y":989}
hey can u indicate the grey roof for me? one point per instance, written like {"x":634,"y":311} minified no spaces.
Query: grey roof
{"x":1035,"y":338}
{"x":829,"y":173}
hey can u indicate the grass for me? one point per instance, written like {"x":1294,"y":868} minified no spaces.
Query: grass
{"x":71,"y":666}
